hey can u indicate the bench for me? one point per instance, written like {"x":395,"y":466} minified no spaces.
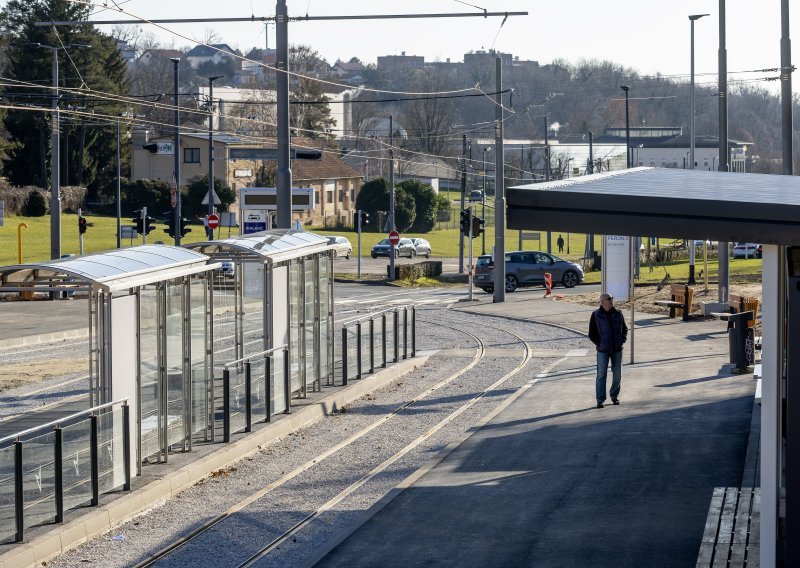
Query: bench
{"x":680,"y":299}
{"x":738,"y":304}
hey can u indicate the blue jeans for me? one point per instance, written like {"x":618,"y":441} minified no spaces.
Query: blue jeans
{"x":602,"y":374}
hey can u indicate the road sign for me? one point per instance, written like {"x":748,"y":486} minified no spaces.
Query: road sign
{"x":394,"y":238}
{"x":213,"y":222}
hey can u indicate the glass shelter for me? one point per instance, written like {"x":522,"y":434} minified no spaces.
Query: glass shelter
{"x":276,"y":289}
{"x":150,"y":320}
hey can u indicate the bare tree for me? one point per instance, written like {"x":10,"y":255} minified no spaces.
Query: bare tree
{"x":428,"y":120}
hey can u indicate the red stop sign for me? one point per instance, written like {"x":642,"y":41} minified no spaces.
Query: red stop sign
{"x":394,"y":237}
{"x":213,"y":221}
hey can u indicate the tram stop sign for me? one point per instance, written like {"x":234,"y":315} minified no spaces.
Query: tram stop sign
{"x":394,"y":238}
{"x":213,"y":221}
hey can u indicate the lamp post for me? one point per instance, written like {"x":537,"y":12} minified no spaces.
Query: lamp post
{"x":211,"y":151}
{"x":483,"y":202}
{"x":626,"y":88}
{"x":55,"y":153}
{"x":692,"y":20}
{"x":176,"y":179}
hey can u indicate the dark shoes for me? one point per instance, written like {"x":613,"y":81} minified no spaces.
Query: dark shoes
{"x":615,"y":400}
{"x":599,"y":405}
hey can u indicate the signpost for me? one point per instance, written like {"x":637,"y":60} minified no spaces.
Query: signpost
{"x":2,"y":212}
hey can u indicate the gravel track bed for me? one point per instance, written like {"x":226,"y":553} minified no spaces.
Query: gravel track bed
{"x":261,"y":521}
{"x":43,"y":351}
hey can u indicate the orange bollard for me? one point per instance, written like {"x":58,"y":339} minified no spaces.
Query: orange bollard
{"x":548,"y":284}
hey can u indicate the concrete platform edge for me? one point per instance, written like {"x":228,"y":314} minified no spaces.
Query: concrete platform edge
{"x":102,"y":519}
{"x":45,"y":338}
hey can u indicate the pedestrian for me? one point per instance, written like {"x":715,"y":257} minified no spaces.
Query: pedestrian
{"x":560,"y":243}
{"x":608,"y":332}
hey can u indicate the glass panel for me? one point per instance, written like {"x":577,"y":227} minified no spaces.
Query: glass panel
{"x":253,"y":308}
{"x":377,"y":341}
{"x":352,"y":354}
{"x":324,"y":320}
{"x":109,"y":458}
{"x":389,"y":337}
{"x":237,"y":400}
{"x":365,"y":348}
{"x":295,"y":325}
{"x":8,"y":527}
{"x":77,"y":464}
{"x":311,"y":327}
{"x":224,"y":318}
{"x":175,"y":356}
{"x":278,"y":383}
{"x":258,"y":387}
{"x":38,"y":479}
{"x":149,"y":396}
{"x":199,"y":362}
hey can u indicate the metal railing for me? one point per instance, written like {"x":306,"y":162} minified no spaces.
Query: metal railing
{"x":376,"y":340}
{"x":63,"y":465}
{"x":240,"y":398}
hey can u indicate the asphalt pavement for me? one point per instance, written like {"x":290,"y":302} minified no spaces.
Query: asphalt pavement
{"x":553,"y":481}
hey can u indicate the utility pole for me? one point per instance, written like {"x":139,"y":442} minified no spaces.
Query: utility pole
{"x":722,"y":292}
{"x":499,"y":192}
{"x":211,"y":151}
{"x":463,"y":192}
{"x":590,"y":236}
{"x":177,"y":159}
{"x":786,"y":90}
{"x":119,"y":194}
{"x":392,"y":225}
{"x":55,"y":168}
{"x":547,"y":178}
{"x":284,"y":189}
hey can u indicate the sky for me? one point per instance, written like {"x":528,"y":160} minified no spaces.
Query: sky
{"x":647,"y":35}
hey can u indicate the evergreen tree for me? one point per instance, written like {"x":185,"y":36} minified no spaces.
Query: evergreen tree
{"x":85,"y":76}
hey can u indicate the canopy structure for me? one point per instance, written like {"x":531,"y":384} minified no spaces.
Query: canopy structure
{"x":111,"y":271}
{"x":663,"y":202}
{"x":723,"y":206}
{"x":268,"y":246}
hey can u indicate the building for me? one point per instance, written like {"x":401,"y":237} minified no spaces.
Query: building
{"x":215,"y":53}
{"x":336,"y":184}
{"x":394,"y":64}
{"x":150,"y":55}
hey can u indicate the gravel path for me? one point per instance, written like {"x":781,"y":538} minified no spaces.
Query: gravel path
{"x":242,"y":534}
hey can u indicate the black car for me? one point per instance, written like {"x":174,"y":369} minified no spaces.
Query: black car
{"x":404,"y":248}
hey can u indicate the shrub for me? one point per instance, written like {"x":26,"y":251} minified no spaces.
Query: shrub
{"x":36,"y":206}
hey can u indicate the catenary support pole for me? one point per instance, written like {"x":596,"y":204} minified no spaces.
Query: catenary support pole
{"x":177,"y":158}
{"x":55,"y":168}
{"x":119,"y":193}
{"x":392,"y":225}
{"x":463,"y":192}
{"x":284,"y":190}
{"x":722,"y":292}
{"x":211,"y":152}
{"x":499,"y":191}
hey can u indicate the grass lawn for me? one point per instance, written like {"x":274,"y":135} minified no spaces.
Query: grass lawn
{"x":101,"y":235}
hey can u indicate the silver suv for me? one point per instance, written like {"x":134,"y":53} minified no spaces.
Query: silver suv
{"x":527,"y":268}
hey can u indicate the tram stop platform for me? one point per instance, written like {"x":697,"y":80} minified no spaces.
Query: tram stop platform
{"x":550,"y":480}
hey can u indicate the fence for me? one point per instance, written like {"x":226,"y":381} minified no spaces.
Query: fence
{"x":377,"y":340}
{"x":63,"y":465}
{"x":242,"y":394}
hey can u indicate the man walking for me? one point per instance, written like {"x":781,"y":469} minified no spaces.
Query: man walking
{"x":560,"y":243}
{"x":608,"y":332}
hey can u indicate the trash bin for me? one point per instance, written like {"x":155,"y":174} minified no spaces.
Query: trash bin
{"x":741,"y":340}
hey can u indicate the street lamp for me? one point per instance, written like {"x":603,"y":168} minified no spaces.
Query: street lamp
{"x":692,"y":19}
{"x":211,"y":152}
{"x":175,"y":198}
{"x":55,"y":153}
{"x":626,"y":88}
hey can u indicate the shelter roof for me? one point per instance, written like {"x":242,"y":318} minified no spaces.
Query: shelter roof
{"x":664,"y":202}
{"x":110,"y":271}
{"x":266,"y":246}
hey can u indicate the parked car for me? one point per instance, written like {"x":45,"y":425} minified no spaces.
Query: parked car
{"x":476,"y":195}
{"x":422,"y":247}
{"x":711,"y":244}
{"x":227,"y":269}
{"x":527,"y":268}
{"x":747,"y":250}
{"x":404,"y":248}
{"x":341,"y":246}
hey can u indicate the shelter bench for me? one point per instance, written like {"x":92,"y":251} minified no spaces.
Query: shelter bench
{"x":732,"y":533}
{"x":680,"y":299}
{"x":738,"y":304}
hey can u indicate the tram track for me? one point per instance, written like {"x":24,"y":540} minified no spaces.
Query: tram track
{"x":479,"y":354}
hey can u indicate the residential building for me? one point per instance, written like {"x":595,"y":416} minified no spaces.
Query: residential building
{"x":150,"y":55}
{"x":214,"y":53}
{"x":395,"y":64}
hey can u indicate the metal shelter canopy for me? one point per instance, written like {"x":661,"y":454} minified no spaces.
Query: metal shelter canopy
{"x":272,"y":246}
{"x":664,"y":202}
{"x":111,"y":271}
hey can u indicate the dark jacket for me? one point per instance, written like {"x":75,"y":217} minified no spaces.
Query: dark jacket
{"x":607,"y":330}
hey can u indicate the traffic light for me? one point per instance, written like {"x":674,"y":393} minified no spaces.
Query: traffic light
{"x":477,"y":227}
{"x":81,"y":225}
{"x":139,"y":222}
{"x":364,"y":219}
{"x":466,"y":221}
{"x":306,"y":154}
{"x":148,"y":225}
{"x":152,"y":148}
{"x":184,"y":229}
{"x":170,"y":221}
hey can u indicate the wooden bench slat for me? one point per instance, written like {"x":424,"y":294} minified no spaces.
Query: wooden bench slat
{"x":740,"y":529}
{"x":705,"y":555}
{"x":753,"y":557}
{"x":738,"y":551}
{"x":721,"y":555}
{"x":755,"y":518}
{"x":728,"y":515}
{"x":712,"y":520}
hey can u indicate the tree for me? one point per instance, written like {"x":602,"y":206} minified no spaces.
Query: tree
{"x":197,"y":190}
{"x":425,"y":204}
{"x":88,"y":150}
{"x":312,"y":120}
{"x":374,"y":199}
{"x":428,"y":120}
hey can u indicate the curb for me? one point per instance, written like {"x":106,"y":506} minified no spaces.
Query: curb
{"x":104,"y":518}
{"x":45,"y":338}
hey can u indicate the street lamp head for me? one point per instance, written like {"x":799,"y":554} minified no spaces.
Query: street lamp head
{"x":215,"y":77}
{"x":625,"y":88}
{"x":698,"y":16}
{"x":175,"y":60}
{"x":78,"y":46}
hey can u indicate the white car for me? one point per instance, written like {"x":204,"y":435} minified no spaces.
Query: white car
{"x":423,"y":247}
{"x":747,"y":250}
{"x":341,"y":246}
